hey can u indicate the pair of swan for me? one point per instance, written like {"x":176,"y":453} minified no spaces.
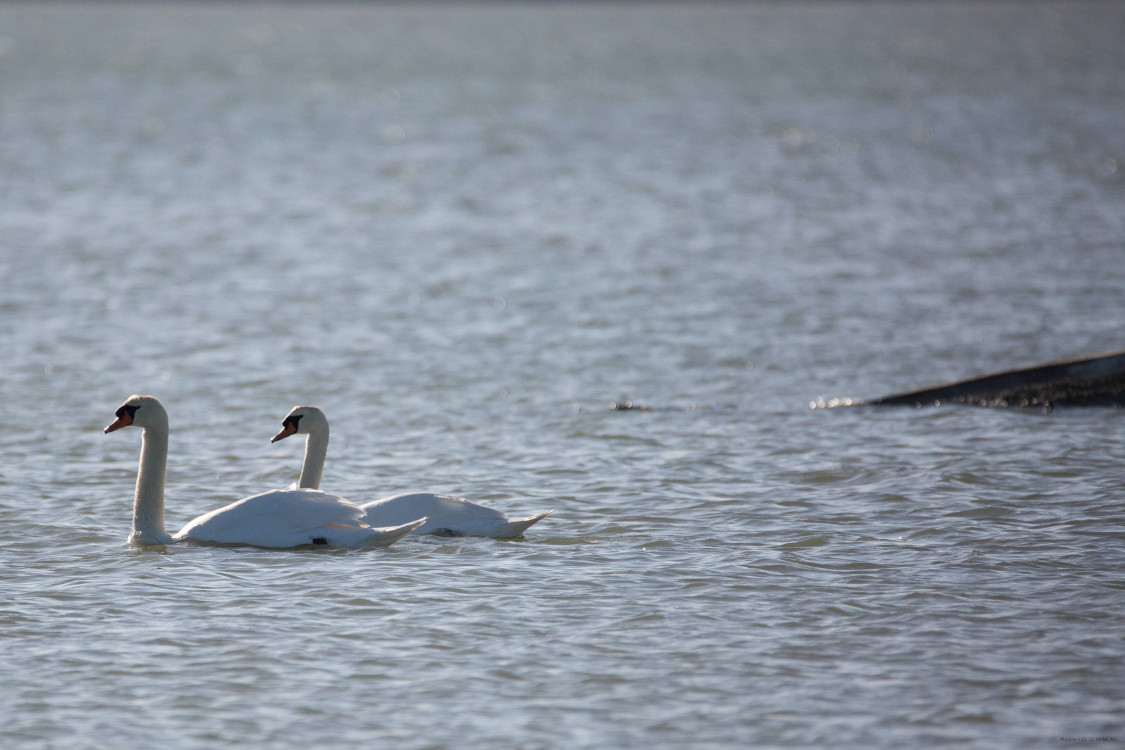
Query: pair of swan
{"x":276,"y":519}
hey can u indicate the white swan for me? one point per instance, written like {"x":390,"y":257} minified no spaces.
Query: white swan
{"x":446,"y":516}
{"x":277,"y":519}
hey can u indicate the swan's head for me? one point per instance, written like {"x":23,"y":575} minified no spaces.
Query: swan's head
{"x":138,"y":411}
{"x":301,"y":420}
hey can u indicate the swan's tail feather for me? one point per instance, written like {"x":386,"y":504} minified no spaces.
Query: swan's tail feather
{"x":516,"y":526}
{"x":387,"y":535}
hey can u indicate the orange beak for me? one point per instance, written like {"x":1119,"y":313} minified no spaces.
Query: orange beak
{"x":287,"y":429}
{"x":124,"y":420}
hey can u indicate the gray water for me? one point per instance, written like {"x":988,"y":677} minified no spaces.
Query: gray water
{"x":464,"y":231}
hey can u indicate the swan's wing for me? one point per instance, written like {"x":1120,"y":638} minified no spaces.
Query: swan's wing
{"x":410,"y":505}
{"x":454,"y":516}
{"x":278,"y":518}
{"x":381,"y":537}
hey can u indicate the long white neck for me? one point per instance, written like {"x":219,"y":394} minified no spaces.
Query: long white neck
{"x":148,"y":501}
{"x":316,"y":449}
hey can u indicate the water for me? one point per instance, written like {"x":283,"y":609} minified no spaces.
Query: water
{"x":464,"y":231}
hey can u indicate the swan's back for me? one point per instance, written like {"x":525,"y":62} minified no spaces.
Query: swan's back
{"x":281,"y":518}
{"x":453,"y":516}
{"x":408,"y":505}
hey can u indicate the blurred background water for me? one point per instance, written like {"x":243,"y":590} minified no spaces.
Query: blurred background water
{"x":464,"y":231}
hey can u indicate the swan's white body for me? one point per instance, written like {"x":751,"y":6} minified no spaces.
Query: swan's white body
{"x":291,"y":518}
{"x":448,"y":516}
{"x":275,"y":519}
{"x":445,"y":515}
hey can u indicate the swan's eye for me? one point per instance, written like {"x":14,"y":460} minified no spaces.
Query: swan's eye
{"x":293,"y":421}
{"x":129,"y":409}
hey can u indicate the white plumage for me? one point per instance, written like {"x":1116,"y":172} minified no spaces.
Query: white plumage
{"x":277,"y":519}
{"x":445,"y":515}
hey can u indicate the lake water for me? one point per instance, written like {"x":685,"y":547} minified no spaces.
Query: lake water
{"x":464,"y":231}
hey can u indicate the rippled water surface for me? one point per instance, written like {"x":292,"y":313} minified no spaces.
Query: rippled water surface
{"x":464,"y":231}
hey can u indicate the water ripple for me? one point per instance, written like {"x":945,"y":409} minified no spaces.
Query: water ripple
{"x":467,"y":231}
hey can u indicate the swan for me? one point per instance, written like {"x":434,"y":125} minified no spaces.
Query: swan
{"x":277,"y":519}
{"x":446,"y":516}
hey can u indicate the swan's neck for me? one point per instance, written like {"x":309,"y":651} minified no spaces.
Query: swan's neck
{"x":148,"y":501}
{"x":316,"y":448}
